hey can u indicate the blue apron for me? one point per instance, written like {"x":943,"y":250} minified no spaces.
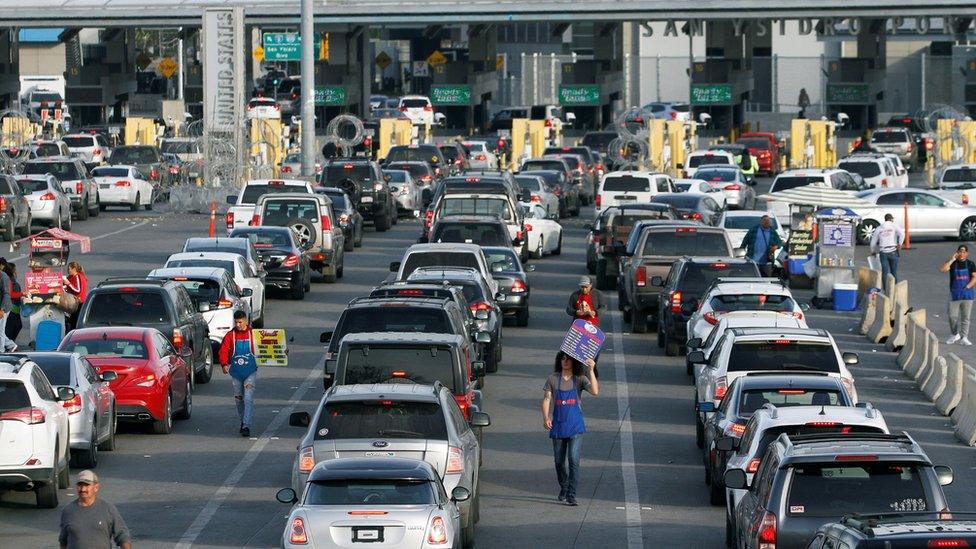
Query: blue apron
{"x":567,"y":416}
{"x":957,"y":287}
{"x":243,"y":363}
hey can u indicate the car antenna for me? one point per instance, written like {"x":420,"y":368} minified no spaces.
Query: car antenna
{"x":823,"y":410}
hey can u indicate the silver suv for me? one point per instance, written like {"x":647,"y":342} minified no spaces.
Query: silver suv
{"x":395,"y":420}
{"x":317,"y":231}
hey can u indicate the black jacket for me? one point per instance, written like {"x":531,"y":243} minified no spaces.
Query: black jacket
{"x":598,"y":303}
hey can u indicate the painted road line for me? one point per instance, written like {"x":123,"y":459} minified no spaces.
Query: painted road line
{"x":635,"y":530}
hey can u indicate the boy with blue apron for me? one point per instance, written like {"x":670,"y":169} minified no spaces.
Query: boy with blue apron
{"x":962,"y":278}
{"x":237,"y":359}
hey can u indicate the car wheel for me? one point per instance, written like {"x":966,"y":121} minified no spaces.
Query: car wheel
{"x":47,"y":493}
{"x":298,"y":291}
{"x":63,"y":480}
{"x":559,"y":245}
{"x":98,"y":207}
{"x":591,"y":267}
{"x":537,"y":254}
{"x":865,"y":231}
{"x":66,"y":225}
{"x":187,"y":409}
{"x":88,"y":458}
{"x":341,"y":269}
{"x":381,"y":223}
{"x":206,"y":374}
{"x":716,"y":492}
{"x":135,"y":204}
{"x":467,"y":532}
{"x":102,"y":207}
{"x":491,"y":359}
{"x":329,"y":278}
{"x":259,"y":321}
{"x":670,"y":345}
{"x":108,"y":445}
{"x":83,"y":209}
{"x":627,"y":314}
{"x":8,"y":231}
{"x":967,"y":231}
{"x":728,"y":531}
{"x":522,"y":318}
{"x":347,"y":244}
{"x":638,"y":321}
{"x":660,"y":338}
{"x":699,"y":432}
{"x":689,"y":368}
{"x":307,"y":284}
{"x":164,"y":425}
{"x":395,"y":218}
{"x":149,"y":205}
{"x":26,"y":229}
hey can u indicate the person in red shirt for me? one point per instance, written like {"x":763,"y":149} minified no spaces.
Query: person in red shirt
{"x":237,"y":359}
{"x":586,"y":303}
{"x":76,"y":284}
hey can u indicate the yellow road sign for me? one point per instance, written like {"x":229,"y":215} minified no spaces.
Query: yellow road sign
{"x":167,"y":67}
{"x":383,"y":60}
{"x":258,"y":53}
{"x":436,"y":58}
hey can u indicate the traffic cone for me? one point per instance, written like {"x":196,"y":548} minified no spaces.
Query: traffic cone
{"x":213,"y":218}
{"x":908,"y":239}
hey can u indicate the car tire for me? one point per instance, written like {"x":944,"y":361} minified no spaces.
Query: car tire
{"x":638,"y":321}
{"x":660,"y":338}
{"x":341,"y":269}
{"x":382,"y":223}
{"x":627,"y":314}
{"x":329,"y":278}
{"x":108,"y":445}
{"x":866,"y":230}
{"x":699,"y":432}
{"x":716,"y":492}
{"x":164,"y":426}
{"x":298,"y":291}
{"x":670,"y":346}
{"x":83,"y":209}
{"x":492,"y":360}
{"x":67,"y":224}
{"x":538,"y":253}
{"x":967,"y":231}
{"x":47,"y":493}
{"x":135,"y":204}
{"x":206,"y":374}
{"x":63,"y":479}
{"x":591,"y":267}
{"x":26,"y":229}
{"x":602,"y":281}
{"x":348,"y":244}
{"x":88,"y":458}
{"x":98,"y":207}
{"x":395,"y":218}
{"x":728,"y":531}
{"x":102,"y":207}
{"x":9,"y":231}
{"x":689,"y":369}
{"x":307,"y":284}
{"x":149,"y":205}
{"x":522,"y":318}
{"x":259,"y":322}
{"x":187,"y":409}
{"x":467,"y":532}
{"x":559,"y":246}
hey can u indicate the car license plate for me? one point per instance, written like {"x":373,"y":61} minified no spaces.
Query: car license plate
{"x":380,"y":454}
{"x":368,"y":535}
{"x":367,"y":199}
{"x":105,"y":186}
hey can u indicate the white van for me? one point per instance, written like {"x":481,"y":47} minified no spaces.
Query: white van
{"x":629,"y":187}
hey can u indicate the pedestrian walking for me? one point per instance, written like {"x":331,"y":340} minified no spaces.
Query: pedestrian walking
{"x":962,"y":278}
{"x":586,"y":303}
{"x":6,"y":306}
{"x":237,"y":359}
{"x":803,"y":101}
{"x":562,"y":416}
{"x":92,"y":523}
{"x":886,"y":243}
{"x":761,"y":243}
{"x":76,"y":284}
{"x":14,"y":324}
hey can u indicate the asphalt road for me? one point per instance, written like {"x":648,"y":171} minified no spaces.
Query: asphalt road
{"x":642,"y":479}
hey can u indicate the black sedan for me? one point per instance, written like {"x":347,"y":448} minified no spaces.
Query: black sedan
{"x":568,"y":193}
{"x":350,"y":220}
{"x":694,"y":207}
{"x":286,"y":263}
{"x":513,"y":282}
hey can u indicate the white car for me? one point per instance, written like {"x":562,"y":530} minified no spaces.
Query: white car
{"x":238,"y":268}
{"x":123,"y":186}
{"x":738,"y":222}
{"x":34,"y":433}
{"x":479,"y":157}
{"x":541,"y":192}
{"x":699,"y":158}
{"x":263,"y":108}
{"x":545,"y":234}
{"x":631,"y":187}
{"x":740,"y":319}
{"x":834,"y":178}
{"x":47,"y":201}
{"x":930,"y":213}
{"x":291,"y":165}
{"x":90,"y":147}
{"x":418,"y":109}
{"x":958,"y":182}
{"x":405,"y":190}
{"x":875,"y":169}
{"x":728,"y":295}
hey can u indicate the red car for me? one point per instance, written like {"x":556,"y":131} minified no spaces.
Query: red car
{"x":765,"y":147}
{"x":154,"y":381}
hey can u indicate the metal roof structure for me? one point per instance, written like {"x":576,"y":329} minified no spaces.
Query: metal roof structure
{"x":170,"y":13}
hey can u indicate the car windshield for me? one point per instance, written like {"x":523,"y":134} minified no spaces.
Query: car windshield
{"x":890,"y":137}
{"x":864,"y":169}
{"x":370,"y":492}
{"x":751,"y":400}
{"x":127,"y":308}
{"x":785,"y":182}
{"x":110,"y":172}
{"x":529,"y":183}
{"x":57,"y":368}
{"x":202,"y":290}
{"x":679,"y":201}
{"x":417,"y":260}
{"x":413,"y":103}
{"x":782,"y":354}
{"x":717,"y":175}
{"x":752,"y":302}
{"x":543,"y":165}
{"x":266,"y":239}
{"x":47,"y":149}
{"x":959,"y":176}
{"x":253,"y":192}
{"x":79,"y":141}
{"x":626,"y":183}
{"x":829,"y":490}
{"x":134,"y":155}
{"x":746,"y":222}
{"x":31,"y":185}
{"x":430,"y":154}
{"x":421,"y":364}
{"x":13,"y":396}
{"x":63,"y":171}
{"x":705,"y":159}
{"x":106,"y":346}
{"x":698,"y":276}
{"x":388,"y":419}
{"x":483,"y":234}
{"x":497,"y":207}
{"x":281,"y":213}
{"x":217,"y":263}
{"x":683,"y":241}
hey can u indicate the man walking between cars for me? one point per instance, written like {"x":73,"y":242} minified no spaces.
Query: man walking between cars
{"x":92,"y":523}
{"x":886,"y":242}
{"x":6,"y":306}
{"x":586,"y":303}
{"x":962,"y":279}
{"x":562,"y":416}
{"x":237,"y":358}
{"x":761,"y":243}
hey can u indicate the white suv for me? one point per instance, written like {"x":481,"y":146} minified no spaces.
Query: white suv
{"x":418,"y":109}
{"x":875,"y":169}
{"x":625,"y":188}
{"x":93,"y":149}
{"x":701,"y":158}
{"x":727,"y":295}
{"x":835,"y":178}
{"x":34,"y":434}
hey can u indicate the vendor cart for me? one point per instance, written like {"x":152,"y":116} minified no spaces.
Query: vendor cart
{"x":834,"y":252}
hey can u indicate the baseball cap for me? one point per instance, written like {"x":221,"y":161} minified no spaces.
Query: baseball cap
{"x":87,"y":477}
{"x":585,"y":281}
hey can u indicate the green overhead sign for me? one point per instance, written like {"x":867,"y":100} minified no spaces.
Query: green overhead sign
{"x":579,"y":95}
{"x":711,"y":94}
{"x":851,"y":94}
{"x":450,"y":95}
{"x":285,"y":46}
{"x":330,"y":96}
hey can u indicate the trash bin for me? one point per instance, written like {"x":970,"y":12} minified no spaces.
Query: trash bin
{"x":845,"y":297}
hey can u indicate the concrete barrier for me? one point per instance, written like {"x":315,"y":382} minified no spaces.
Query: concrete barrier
{"x":889,"y":286}
{"x":900,"y":296}
{"x":964,"y":416}
{"x":867,"y":278}
{"x":950,"y":397}
{"x":868,"y":313}
{"x":921,"y":354}
{"x":934,"y":382}
{"x":932,"y":352}
{"x":913,"y":320}
{"x":899,"y":325}
{"x":881,"y":327}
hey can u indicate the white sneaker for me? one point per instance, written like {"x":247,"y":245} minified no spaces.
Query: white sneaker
{"x":965,"y":341}
{"x":953,"y":339}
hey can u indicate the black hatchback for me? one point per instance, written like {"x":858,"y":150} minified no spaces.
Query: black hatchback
{"x":349,"y":218}
{"x":285,"y":262}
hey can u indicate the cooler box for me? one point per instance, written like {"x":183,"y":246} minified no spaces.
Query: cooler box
{"x":49,"y":335}
{"x":845,"y":297}
{"x":796,"y":265}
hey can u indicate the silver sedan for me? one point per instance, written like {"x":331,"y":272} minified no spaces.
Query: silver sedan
{"x":48,"y":203}
{"x":406,"y":191}
{"x":738,"y":190}
{"x":930,"y":213}
{"x":542,"y":193}
{"x":91,"y":413}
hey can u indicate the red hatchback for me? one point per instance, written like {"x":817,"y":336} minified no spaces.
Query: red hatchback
{"x":152,"y":376}
{"x":765,"y":147}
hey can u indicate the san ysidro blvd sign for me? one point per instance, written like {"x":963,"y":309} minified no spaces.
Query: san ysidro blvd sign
{"x":711,"y":94}
{"x":450,"y":95}
{"x":579,"y":95}
{"x":856,"y":94}
{"x":330,"y":96}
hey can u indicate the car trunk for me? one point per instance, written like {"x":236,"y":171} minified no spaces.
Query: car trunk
{"x":125,"y":368}
{"x":16,"y":437}
{"x":391,"y":526}
{"x":433,"y":452}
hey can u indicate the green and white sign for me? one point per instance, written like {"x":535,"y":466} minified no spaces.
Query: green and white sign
{"x":450,"y":94}
{"x":282,"y":46}
{"x":330,"y":96}
{"x":850,"y":94}
{"x":711,"y":94}
{"x":579,"y":95}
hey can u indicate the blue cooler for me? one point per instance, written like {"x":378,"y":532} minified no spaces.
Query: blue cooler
{"x":796,"y":265}
{"x":845,"y":297}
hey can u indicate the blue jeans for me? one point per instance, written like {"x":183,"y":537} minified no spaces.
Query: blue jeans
{"x":244,"y":395}
{"x":889,"y":264}
{"x":564,"y":449}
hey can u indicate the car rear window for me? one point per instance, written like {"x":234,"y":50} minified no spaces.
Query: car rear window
{"x":959,"y":175}
{"x":57,"y":368}
{"x":420,"y":364}
{"x":370,"y":492}
{"x":215,"y":263}
{"x":697,"y":276}
{"x":890,"y":137}
{"x":833,"y":489}
{"x":685,"y":241}
{"x":134,"y":155}
{"x":202,"y":290}
{"x":79,"y":141}
{"x":864,"y":169}
{"x":705,"y":159}
{"x":388,"y":419}
{"x":266,"y":239}
{"x":5,"y":186}
{"x":745,"y":222}
{"x":63,"y":171}
{"x":627,"y":183}
{"x":13,"y":396}
{"x":754,"y":399}
{"x":413,"y":103}
{"x":483,"y":234}
{"x":508,"y":259}
{"x":754,"y":142}
{"x":716,"y":175}
{"x":391,"y":319}
{"x":572,"y":162}
{"x":108,"y":346}
{"x":752,"y":302}
{"x":47,"y":149}
{"x":338,"y":201}
{"x":429,"y":154}
{"x":439,"y":259}
{"x":31,"y":185}
{"x":450,"y":153}
{"x":782,"y":354}
{"x":110,"y":172}
{"x":497,"y":207}
{"x":529,"y":183}
{"x":783,"y":183}
{"x":543,"y":165}
{"x":414,"y":169}
{"x":127,"y":308}
{"x":281,"y":213}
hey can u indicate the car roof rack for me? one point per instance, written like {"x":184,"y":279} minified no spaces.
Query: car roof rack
{"x":115,"y":281}
{"x":902,"y":437}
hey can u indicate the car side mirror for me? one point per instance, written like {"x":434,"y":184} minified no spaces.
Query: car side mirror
{"x":231,"y":199}
{"x":570,"y":118}
{"x":204,"y":307}
{"x":247,"y":292}
{"x":696,"y":357}
{"x":657,"y":281}
{"x":727,"y":444}
{"x":287,"y":495}
{"x":478,"y":368}
{"x":944,"y":474}
{"x":325,"y":337}
{"x":850,"y":358}
{"x":482,"y":337}
{"x":526,"y":196}
{"x":299,"y":419}
{"x":460,"y":493}
{"x":588,"y":227}
{"x":387,"y":178}
{"x":108,"y":376}
{"x":706,"y":407}
{"x":553,"y":217}
{"x":739,"y":253}
{"x":65,"y":393}
{"x":736,"y":479}
{"x":680,"y":166}
{"x":480,"y":419}
{"x":394,"y":266}
{"x":695,"y":342}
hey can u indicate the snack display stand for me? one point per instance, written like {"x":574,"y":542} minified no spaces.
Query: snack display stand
{"x":834,"y":253}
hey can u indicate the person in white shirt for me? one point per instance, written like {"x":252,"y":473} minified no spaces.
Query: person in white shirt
{"x":886,"y":242}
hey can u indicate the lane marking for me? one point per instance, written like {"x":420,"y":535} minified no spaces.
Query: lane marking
{"x":213,"y":504}
{"x":635,"y":530}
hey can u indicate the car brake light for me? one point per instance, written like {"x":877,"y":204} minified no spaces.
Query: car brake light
{"x":438,"y":532}
{"x":822,"y":423}
{"x":343,"y":218}
{"x":428,"y":108}
{"x":518,"y":235}
{"x":298,"y":535}
{"x":398,"y":373}
{"x":910,"y":147}
{"x":884,"y":182}
{"x":154,"y":174}
{"x":598,"y":200}
{"x":733,"y":187}
{"x":518,"y":286}
{"x":536,"y":198}
{"x":276,"y":182}
{"x":403,"y":109}
{"x":229,"y":220}
{"x":767,"y":531}
{"x":123,"y":183}
{"x":929,"y":144}
{"x":675,"y":302}
{"x":720,"y":388}
{"x":255,"y":220}
{"x":528,"y":228}
{"x":848,"y":384}
{"x":548,"y":123}
{"x":753,"y":465}
{"x":792,"y":391}
{"x":480,"y":306}
{"x":224,"y":304}
{"x":462,"y":402}
{"x":48,"y":196}
{"x":735,"y":429}
{"x":306,"y":459}
{"x":781,"y":342}
{"x":177,"y":338}
{"x":710,"y":318}
{"x":290,"y":261}
{"x":854,"y":457}
{"x":947,"y":543}
{"x":696,"y":216}
{"x":481,"y":157}
{"x":286,"y":169}
{"x":30,"y":416}
{"x":686,"y":230}
{"x":674,"y":115}
{"x":97,"y":152}
{"x":641,"y":277}
{"x":326,"y":223}
{"x":79,"y":188}
{"x":73,"y":406}
{"x":455,"y":461}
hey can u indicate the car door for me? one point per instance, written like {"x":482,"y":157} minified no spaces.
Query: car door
{"x":170,"y":359}
{"x":53,"y":408}
{"x":468,"y":439}
{"x":103,"y":397}
{"x":751,"y":507}
{"x":931,"y":215}
{"x":248,"y":279}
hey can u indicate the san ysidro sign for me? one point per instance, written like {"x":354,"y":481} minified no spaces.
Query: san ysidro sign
{"x":579,"y":95}
{"x":457,"y":94}
{"x":839,"y":94}
{"x":711,"y":94}
{"x":330,"y":96}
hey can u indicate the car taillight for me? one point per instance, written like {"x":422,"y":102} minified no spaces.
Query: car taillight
{"x":674,"y":115}
{"x":73,"y":406}
{"x":297,"y":536}
{"x":326,"y":223}
{"x":426,"y":178}
{"x":48,"y":196}
{"x":306,"y":460}
{"x":753,"y":465}
{"x":735,"y":430}
{"x":640,"y":278}
{"x":462,"y":402}
{"x":437,"y":532}
{"x":277,"y":107}
{"x":733,"y":187}
{"x":294,"y":95}
{"x":767,"y":531}
{"x":455,"y":461}
{"x":480,"y":306}
{"x":428,"y":218}
{"x":710,"y":318}
{"x":696,"y":216}
{"x":255,"y":220}
{"x":536,"y":198}
{"x":548,"y":123}
{"x":123,"y":183}
{"x":480,"y":157}
{"x":428,"y":108}
{"x":518,"y":235}
{"x":30,"y":416}
{"x":229,"y":220}
{"x":79,"y":188}
{"x":518,"y":286}
{"x":849,"y":385}
{"x":343,"y":218}
{"x":177,"y":338}
{"x":173,"y":170}
{"x":910,"y":147}
{"x":720,"y":388}
{"x":929,"y":144}
{"x":290,"y":261}
{"x":528,"y":228}
{"x":947,"y":543}
{"x":884,"y":182}
{"x":675,"y":302}
{"x":594,"y":238}
{"x":286,"y":169}
{"x":97,"y":152}
{"x":154,"y":174}
{"x":224,"y":304}
{"x":501,"y":144}
{"x":599,"y":200}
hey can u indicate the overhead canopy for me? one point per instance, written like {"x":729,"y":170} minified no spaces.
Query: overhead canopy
{"x":815,"y":195}
{"x":58,"y":233}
